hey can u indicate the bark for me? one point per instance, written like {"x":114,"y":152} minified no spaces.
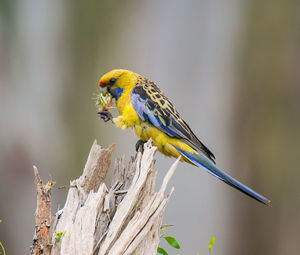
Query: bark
{"x":42,"y":234}
{"x":124,"y":219}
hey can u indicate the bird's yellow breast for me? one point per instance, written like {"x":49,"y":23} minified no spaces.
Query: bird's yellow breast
{"x":125,"y":108}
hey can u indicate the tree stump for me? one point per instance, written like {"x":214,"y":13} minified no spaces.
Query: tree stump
{"x":124,"y":219}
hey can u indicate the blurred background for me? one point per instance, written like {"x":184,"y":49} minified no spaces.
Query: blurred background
{"x":230,"y":67}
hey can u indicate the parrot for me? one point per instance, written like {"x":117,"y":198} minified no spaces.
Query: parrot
{"x":144,"y":108}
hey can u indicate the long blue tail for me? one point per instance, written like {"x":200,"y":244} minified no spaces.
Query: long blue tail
{"x":200,"y":160}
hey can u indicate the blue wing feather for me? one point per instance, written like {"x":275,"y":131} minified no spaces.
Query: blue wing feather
{"x":141,"y":106}
{"x":165,"y":117}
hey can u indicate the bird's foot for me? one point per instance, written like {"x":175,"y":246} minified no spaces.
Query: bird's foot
{"x":139,"y":144}
{"x":105,"y":115}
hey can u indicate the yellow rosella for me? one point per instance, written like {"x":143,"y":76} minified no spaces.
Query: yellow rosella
{"x":144,"y":107}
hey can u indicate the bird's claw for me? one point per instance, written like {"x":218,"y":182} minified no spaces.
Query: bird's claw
{"x":105,"y":115}
{"x":139,"y":144}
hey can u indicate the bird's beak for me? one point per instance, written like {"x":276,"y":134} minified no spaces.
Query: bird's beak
{"x":101,"y":83}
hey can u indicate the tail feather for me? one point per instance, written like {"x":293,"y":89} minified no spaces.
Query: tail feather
{"x":200,"y":160}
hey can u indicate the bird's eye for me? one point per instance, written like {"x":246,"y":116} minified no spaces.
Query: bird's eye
{"x":112,"y":81}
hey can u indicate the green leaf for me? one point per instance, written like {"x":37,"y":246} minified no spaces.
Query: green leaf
{"x":209,"y":246}
{"x":161,"y":251}
{"x":212,"y":240}
{"x":172,"y":241}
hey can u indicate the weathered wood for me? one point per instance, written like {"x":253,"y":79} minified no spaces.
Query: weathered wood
{"x":96,"y":167}
{"x":78,"y":219}
{"x":42,"y":233}
{"x":124,"y":219}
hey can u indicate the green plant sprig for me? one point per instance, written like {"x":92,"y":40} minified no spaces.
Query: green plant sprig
{"x":169,"y":239}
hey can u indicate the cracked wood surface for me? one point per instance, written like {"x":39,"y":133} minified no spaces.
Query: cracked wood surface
{"x":124,"y":219}
{"x":42,"y":232}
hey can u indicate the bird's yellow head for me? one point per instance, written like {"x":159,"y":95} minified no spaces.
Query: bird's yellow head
{"x":118,"y":78}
